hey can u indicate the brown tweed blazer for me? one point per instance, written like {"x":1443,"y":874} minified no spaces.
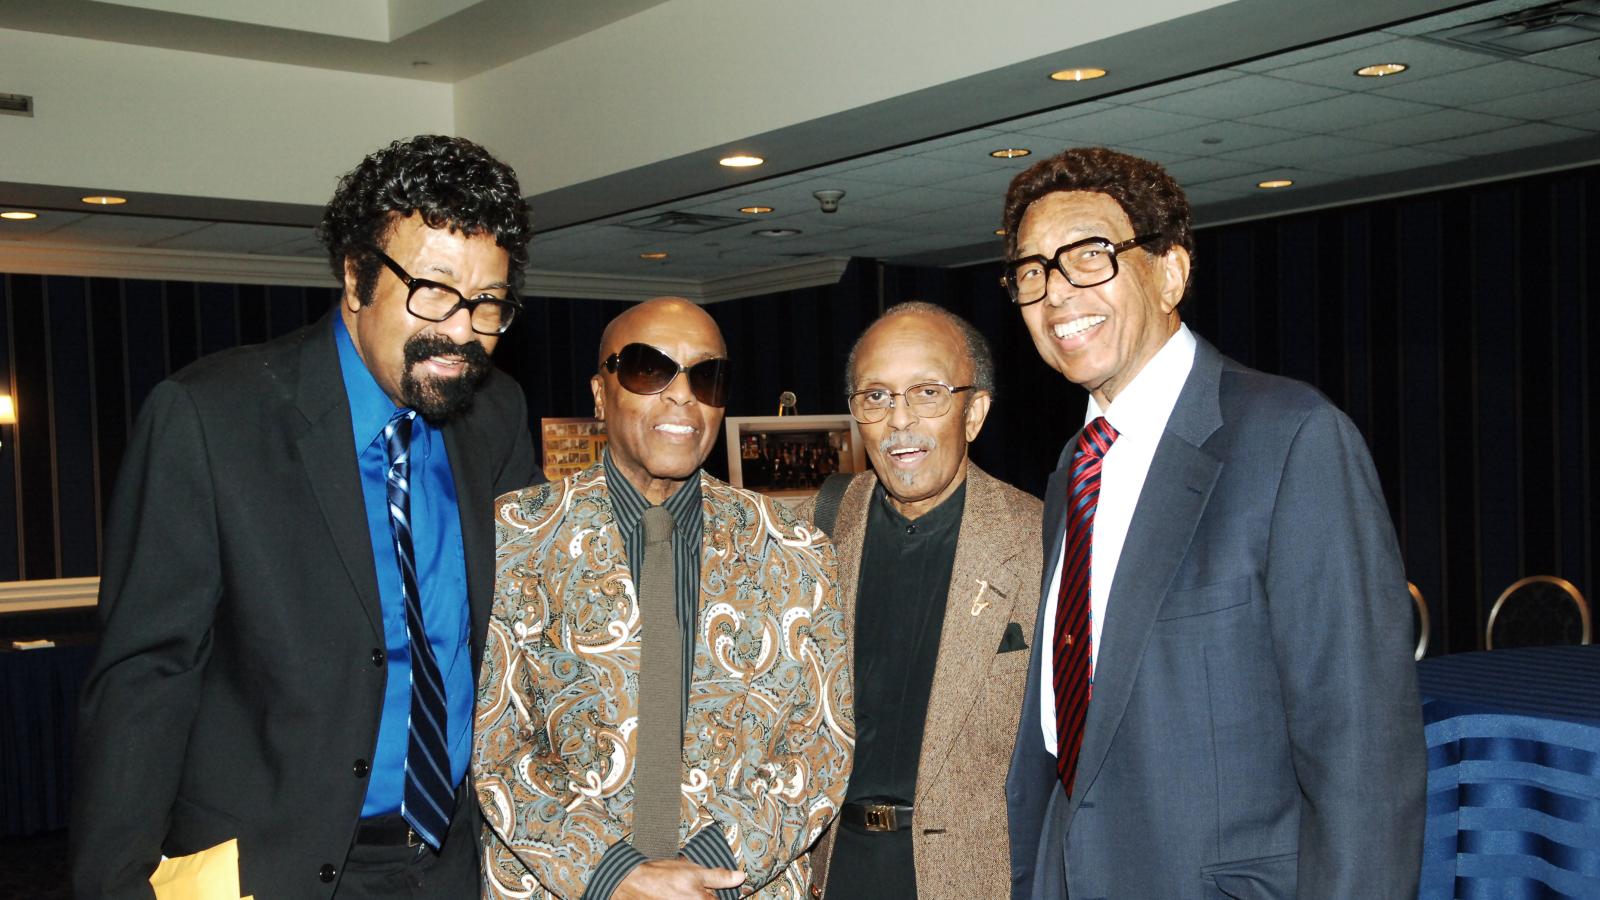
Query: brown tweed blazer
{"x":959,"y":828}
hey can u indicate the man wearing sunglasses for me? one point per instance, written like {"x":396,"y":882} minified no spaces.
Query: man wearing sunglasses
{"x":937,"y":562}
{"x":299,"y":565}
{"x":665,"y":710}
{"x":1225,"y":702}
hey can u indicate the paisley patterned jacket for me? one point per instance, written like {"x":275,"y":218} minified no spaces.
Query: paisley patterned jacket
{"x":769,"y":734}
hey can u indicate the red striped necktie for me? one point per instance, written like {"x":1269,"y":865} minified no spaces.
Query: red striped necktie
{"x":1072,"y":650}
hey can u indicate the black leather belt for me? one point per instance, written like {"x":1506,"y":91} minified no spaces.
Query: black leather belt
{"x":387,"y":831}
{"x":877,"y":814}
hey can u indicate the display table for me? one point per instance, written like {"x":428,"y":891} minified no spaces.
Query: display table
{"x":1513,"y":774}
{"x":38,"y":723}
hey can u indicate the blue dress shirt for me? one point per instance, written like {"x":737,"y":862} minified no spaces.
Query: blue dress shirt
{"x":441,"y":578}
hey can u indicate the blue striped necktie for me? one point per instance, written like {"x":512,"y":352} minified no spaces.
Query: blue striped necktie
{"x":429,"y":796}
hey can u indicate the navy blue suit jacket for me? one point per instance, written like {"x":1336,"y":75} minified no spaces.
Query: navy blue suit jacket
{"x":1255,"y":730}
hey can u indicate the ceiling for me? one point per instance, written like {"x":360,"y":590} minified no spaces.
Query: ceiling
{"x":453,"y":39}
{"x":1460,"y":113}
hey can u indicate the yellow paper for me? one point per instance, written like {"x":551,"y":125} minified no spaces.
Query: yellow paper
{"x":208,"y":875}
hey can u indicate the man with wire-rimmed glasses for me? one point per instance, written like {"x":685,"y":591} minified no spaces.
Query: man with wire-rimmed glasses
{"x":937,"y":563}
{"x":1224,"y":701}
{"x":299,"y":564}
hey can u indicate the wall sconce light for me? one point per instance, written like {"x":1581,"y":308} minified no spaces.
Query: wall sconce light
{"x":8,"y":412}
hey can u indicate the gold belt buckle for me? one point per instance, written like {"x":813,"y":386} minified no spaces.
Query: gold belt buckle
{"x":881,"y":817}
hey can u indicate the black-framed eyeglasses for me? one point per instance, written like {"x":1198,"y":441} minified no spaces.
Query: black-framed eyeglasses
{"x":1084,"y":263}
{"x":928,"y":400}
{"x":436,"y":302}
{"x":643,"y":369}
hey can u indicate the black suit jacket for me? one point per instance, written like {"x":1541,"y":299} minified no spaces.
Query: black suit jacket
{"x":240,"y":676}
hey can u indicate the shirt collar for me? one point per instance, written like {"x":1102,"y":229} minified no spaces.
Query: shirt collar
{"x":1143,"y":407}
{"x":629,"y":505}
{"x":946,"y":515}
{"x":370,"y":407}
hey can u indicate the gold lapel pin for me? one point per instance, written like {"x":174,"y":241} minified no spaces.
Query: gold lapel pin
{"x":979,"y":604}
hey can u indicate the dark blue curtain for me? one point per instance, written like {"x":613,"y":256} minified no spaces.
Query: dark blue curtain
{"x":1456,"y":328}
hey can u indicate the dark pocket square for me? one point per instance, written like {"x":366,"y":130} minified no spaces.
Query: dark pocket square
{"x":1012,"y":640}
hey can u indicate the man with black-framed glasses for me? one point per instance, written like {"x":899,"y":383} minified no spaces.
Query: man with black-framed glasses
{"x":1224,"y":701}
{"x":937,"y":560}
{"x":299,"y":564}
{"x":665,"y":710}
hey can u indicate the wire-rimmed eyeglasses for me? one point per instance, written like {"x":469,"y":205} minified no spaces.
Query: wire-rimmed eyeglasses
{"x":928,"y":400}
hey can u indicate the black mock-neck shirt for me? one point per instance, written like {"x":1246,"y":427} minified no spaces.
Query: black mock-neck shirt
{"x":899,"y":617}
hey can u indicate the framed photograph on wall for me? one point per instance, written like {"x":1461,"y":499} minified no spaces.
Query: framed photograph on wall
{"x":568,"y":446}
{"x":788,"y":457}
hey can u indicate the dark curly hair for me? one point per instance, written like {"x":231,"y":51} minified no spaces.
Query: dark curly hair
{"x":452,"y":182}
{"x":1149,"y":196}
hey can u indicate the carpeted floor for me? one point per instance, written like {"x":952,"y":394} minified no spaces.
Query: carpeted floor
{"x":34,"y":867}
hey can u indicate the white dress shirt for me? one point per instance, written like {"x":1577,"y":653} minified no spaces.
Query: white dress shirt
{"x":1139,"y":414}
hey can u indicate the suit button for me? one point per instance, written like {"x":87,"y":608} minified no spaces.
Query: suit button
{"x":327,"y":872}
{"x":361,"y":768}
{"x":377,"y":657}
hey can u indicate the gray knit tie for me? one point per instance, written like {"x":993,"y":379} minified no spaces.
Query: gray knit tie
{"x":658,"y":762}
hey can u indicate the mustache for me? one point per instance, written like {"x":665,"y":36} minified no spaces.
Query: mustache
{"x":908,"y":439}
{"x":422,"y":346}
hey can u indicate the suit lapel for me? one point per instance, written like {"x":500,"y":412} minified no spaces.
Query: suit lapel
{"x":850,"y":530}
{"x":1055,"y":517}
{"x":968,"y":642}
{"x":327,"y":451}
{"x":1170,"y":505}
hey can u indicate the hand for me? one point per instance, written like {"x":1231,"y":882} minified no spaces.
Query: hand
{"x":671,"y":879}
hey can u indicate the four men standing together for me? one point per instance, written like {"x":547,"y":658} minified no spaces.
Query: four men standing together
{"x":666,"y":686}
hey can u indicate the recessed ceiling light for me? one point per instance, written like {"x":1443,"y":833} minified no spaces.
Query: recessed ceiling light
{"x":777,"y":232}
{"x":105,"y":200}
{"x":1381,"y":69}
{"x":741,"y":161}
{"x":1274,"y":183}
{"x":654,"y":254}
{"x":17,"y":215}
{"x":1010,"y":152}
{"x":755,"y":210}
{"x":1085,"y":74}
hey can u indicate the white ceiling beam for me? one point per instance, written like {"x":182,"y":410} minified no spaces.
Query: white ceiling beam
{"x":120,"y":117}
{"x":366,"y":20}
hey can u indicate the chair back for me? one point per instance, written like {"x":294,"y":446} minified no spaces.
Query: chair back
{"x":1538,"y":611}
{"x":1420,"y":628}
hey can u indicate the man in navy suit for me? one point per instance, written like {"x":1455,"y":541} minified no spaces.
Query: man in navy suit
{"x":1225,"y":703}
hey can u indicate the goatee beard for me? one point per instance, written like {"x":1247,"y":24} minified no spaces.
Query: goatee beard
{"x":440,"y":399}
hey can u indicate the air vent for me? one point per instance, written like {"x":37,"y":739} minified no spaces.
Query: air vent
{"x":681,"y":223}
{"x":16,"y":105}
{"x":1528,"y":31}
